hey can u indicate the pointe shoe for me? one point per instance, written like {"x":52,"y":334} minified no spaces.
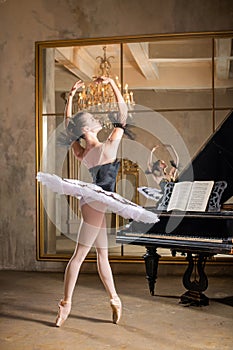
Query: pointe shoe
{"x":63,"y":312}
{"x":116,"y":309}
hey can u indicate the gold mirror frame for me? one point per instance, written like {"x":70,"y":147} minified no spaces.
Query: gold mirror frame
{"x":212,"y":109}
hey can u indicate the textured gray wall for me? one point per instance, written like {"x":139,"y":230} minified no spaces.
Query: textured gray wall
{"x":26,"y":21}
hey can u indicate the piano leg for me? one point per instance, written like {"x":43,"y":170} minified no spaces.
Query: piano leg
{"x":199,"y":284}
{"x":151,"y":261}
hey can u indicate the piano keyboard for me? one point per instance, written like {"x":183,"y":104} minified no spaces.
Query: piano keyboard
{"x":175,"y":238}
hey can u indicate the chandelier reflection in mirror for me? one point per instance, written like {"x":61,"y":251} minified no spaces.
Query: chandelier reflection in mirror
{"x":98,"y":98}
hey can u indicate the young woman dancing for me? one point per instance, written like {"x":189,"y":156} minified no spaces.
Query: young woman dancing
{"x":158,"y":169}
{"x":100,"y":159}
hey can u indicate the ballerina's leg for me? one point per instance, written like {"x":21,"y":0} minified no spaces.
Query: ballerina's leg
{"x":105,"y":272}
{"x":92,"y":222}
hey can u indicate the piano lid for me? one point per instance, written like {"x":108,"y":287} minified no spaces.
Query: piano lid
{"x":215,"y":160}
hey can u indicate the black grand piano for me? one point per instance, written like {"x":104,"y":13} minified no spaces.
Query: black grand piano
{"x":197,"y":235}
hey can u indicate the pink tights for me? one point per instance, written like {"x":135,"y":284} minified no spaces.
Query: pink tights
{"x":92,"y":232}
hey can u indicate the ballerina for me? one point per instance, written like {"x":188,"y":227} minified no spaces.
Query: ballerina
{"x":100,"y":159}
{"x":158,"y":169}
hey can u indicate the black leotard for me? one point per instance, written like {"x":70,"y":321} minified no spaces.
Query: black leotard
{"x":105,"y":175}
{"x":163,"y":183}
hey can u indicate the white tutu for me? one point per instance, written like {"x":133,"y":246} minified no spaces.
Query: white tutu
{"x":115,"y":203}
{"x":151,"y":193}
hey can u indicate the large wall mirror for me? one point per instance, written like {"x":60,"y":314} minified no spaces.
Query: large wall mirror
{"x":178,"y":88}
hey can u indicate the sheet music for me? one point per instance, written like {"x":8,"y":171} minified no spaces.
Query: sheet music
{"x":199,"y":195}
{"x":190,"y":196}
{"x":180,"y":196}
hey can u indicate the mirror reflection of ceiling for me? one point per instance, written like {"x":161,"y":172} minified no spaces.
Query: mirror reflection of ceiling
{"x":171,"y":64}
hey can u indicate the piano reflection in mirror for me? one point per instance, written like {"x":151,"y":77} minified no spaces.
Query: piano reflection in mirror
{"x":197,"y":235}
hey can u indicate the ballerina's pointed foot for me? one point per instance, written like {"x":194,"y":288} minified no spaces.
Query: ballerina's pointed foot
{"x":116,"y":309}
{"x":63,"y":312}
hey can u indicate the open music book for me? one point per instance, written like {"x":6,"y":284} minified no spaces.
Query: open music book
{"x":190,"y":196}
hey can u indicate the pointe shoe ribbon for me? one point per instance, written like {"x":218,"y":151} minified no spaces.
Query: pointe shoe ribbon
{"x":63,"y":312}
{"x":116,"y":309}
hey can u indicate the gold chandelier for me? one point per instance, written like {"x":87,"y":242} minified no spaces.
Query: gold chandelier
{"x":99,"y":98}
